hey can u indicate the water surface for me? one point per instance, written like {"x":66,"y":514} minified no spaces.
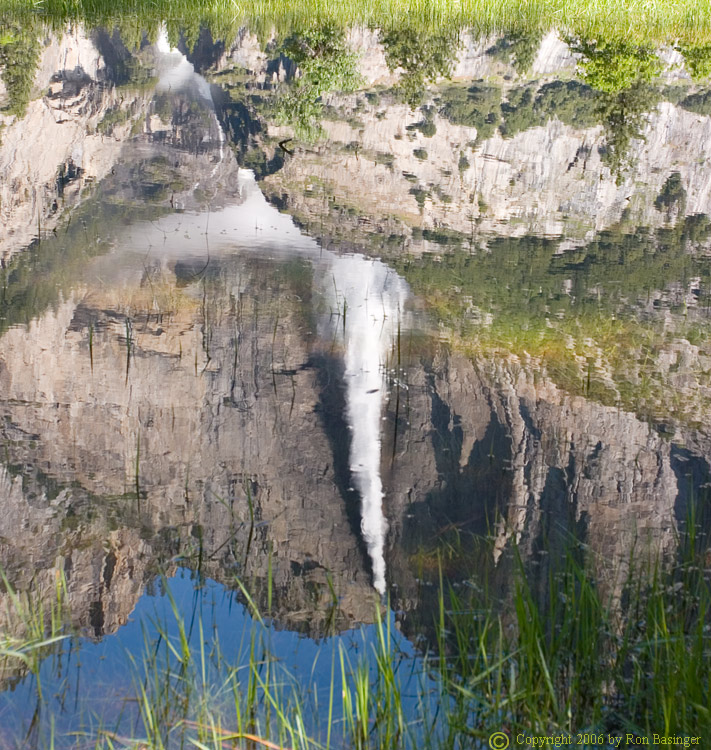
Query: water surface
{"x":333,"y":342}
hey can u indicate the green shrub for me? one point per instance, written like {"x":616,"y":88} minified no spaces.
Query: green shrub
{"x":19,"y":56}
{"x":518,"y":47}
{"x":697,"y":59}
{"x":423,"y":55}
{"x":478,"y":106}
{"x":700,"y":103}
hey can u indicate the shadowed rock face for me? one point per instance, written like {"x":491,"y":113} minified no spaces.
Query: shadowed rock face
{"x":502,"y":454}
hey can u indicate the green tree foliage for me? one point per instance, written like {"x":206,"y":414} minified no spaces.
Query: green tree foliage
{"x":672,"y":198}
{"x":19,"y":56}
{"x":519,"y":48}
{"x":324,"y":59}
{"x":520,"y":112}
{"x":622,"y":73}
{"x":570,"y":101}
{"x":114,"y":117}
{"x":697,"y":59}
{"x":163,"y":107}
{"x":426,"y":126}
{"x":615,"y":66}
{"x":325,"y":63}
{"x":624,"y":115}
{"x":423,"y":57}
{"x":478,"y":106}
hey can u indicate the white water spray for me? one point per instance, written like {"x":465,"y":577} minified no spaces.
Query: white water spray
{"x":177,"y":73}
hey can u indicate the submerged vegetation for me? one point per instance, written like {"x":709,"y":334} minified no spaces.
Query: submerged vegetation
{"x":572,"y":315}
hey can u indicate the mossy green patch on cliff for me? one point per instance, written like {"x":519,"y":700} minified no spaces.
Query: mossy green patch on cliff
{"x":113,"y":118}
{"x":612,"y":66}
{"x":697,"y":60}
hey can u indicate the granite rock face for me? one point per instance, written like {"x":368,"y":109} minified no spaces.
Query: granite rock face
{"x":552,"y":179}
{"x":51,"y":156}
{"x":101,"y":112}
{"x":205,"y":440}
{"x":209,"y":433}
{"x":188,"y":413}
{"x":549,"y":179}
{"x":498,"y":449}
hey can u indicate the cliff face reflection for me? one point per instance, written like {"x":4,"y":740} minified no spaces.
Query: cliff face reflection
{"x":227,"y":411}
{"x":188,"y":377}
{"x":193,"y":385}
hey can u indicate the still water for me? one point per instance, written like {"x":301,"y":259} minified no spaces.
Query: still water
{"x":274,"y":359}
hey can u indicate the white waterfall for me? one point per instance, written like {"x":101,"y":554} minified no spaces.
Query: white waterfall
{"x":366,"y":298}
{"x":370,"y":298}
{"x":177,"y":73}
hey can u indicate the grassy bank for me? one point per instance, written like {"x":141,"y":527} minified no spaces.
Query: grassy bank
{"x":660,"y":21}
{"x":563,"y":650}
